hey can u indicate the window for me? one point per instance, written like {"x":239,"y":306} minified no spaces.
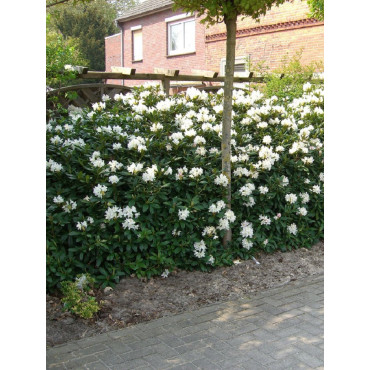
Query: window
{"x":181,"y":37}
{"x":137,"y":43}
{"x":240,"y":68}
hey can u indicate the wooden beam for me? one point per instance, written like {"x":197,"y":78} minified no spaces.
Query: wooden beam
{"x":167,"y":72}
{"x":199,"y":72}
{"x":124,"y":70}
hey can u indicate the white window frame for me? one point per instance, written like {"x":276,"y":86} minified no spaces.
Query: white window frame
{"x":238,"y":60}
{"x":180,"y":19}
{"x":133,"y":30}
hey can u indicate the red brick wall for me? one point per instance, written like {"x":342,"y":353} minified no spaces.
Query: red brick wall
{"x":113,"y":55}
{"x":154,"y":31}
{"x":271,"y":47}
{"x":283,"y":30}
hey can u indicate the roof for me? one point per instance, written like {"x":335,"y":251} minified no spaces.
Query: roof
{"x":145,"y":8}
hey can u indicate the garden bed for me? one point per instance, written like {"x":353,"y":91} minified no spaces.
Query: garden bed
{"x":136,"y":300}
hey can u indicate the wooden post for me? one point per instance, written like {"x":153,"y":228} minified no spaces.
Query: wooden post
{"x":166,"y":85}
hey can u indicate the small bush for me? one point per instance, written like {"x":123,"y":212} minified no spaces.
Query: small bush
{"x":295,"y":76}
{"x":134,"y":185}
{"x":76,"y":296}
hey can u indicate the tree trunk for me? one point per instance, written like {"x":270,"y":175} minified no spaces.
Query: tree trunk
{"x":230,"y":22}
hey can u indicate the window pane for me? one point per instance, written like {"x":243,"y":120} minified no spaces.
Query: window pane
{"x":176,"y":37}
{"x":138,"y":45}
{"x":190,"y":35}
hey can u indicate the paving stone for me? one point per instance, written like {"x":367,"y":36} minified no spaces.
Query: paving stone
{"x":280,"y":328}
{"x":96,"y":366}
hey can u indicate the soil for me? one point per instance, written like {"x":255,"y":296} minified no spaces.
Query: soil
{"x":135,"y":300}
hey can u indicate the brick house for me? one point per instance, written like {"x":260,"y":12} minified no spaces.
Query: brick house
{"x":153,"y":35}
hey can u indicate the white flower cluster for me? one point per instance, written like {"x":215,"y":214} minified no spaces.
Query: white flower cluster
{"x":221,"y":180}
{"x":200,"y":249}
{"x":149,"y":174}
{"x":291,"y":198}
{"x":264,"y":220}
{"x":135,"y":168}
{"x":137,"y":142}
{"x":216,"y":208}
{"x":247,"y":189}
{"x":183,"y":214}
{"x":53,"y":166}
{"x":100,"y":190}
{"x":195,"y":172}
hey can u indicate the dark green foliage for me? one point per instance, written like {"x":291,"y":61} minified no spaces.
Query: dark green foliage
{"x":108,"y":251}
{"x":89,"y":23}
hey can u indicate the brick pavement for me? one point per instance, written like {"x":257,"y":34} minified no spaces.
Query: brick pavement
{"x":280,"y":328}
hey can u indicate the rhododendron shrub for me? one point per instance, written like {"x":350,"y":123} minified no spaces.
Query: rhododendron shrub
{"x":134,"y":184}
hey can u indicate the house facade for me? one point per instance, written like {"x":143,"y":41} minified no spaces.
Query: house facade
{"x":153,"y":35}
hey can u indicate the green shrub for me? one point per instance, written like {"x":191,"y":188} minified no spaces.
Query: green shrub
{"x":134,"y":185}
{"x":295,"y":76}
{"x":76,"y":296}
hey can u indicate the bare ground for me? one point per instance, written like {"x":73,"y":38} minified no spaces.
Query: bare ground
{"x":133,"y":300}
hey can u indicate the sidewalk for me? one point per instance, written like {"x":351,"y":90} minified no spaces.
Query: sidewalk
{"x":280,"y":328}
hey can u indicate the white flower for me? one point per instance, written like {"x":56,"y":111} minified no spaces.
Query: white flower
{"x":168,"y":171}
{"x":201,"y":150}
{"x":130,"y":224}
{"x":156,"y":127}
{"x":117,"y":146}
{"x":165,"y":273}
{"x":210,"y":231}
{"x":321,"y":176}
{"x":58,"y":199}
{"x":181,"y":172}
{"x":305,"y":197}
{"x":247,"y":244}
{"x":137,"y":142}
{"x":90,"y":220}
{"x":279,"y":148}
{"x":247,"y":189}
{"x":307,"y":160}
{"x":54,"y":166}
{"x":302,"y":211}
{"x":247,"y":229}
{"x":284,"y":181}
{"x":176,"y":233}
{"x":199,"y":140}
{"x":251,"y":202}
{"x":98,"y":106}
{"x":263,"y":189}
{"x":149,"y":174}
{"x":292,"y":228}
{"x":264,"y":220}
{"x":105,"y":97}
{"x":211,"y":260}
{"x":229,"y":215}
{"x":216,"y":208}
{"x":266,"y":241}
{"x":134,"y":168}
{"x":199,"y":249}
{"x":223,"y":224}
{"x":114,"y":165}
{"x":221,"y":180}
{"x":183,"y":214}
{"x":267,"y":139}
{"x":195,"y":172}
{"x":69,"y":206}
{"x":291,"y":198}
{"x":113,"y":179}
{"x":316,"y":189}
{"x":81,"y":225}
{"x":100,"y":190}
{"x":176,"y":137}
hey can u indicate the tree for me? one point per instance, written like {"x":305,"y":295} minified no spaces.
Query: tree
{"x":89,"y":23}
{"x":59,"y":52}
{"x":227,"y":11}
{"x":316,"y":9}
